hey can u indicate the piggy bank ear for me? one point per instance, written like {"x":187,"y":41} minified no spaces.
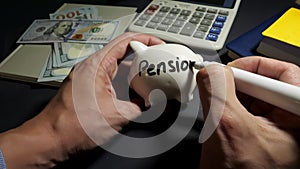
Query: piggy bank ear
{"x":137,"y":46}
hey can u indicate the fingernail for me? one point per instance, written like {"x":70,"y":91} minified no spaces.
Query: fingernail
{"x":230,"y":63}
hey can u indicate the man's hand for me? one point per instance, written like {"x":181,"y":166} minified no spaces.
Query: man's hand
{"x":251,"y":133}
{"x":84,"y":113}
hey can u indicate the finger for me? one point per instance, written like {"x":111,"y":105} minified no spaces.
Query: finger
{"x":122,"y":45}
{"x":220,"y":105}
{"x":128,"y":110}
{"x":204,"y":90}
{"x":215,"y":83}
{"x":276,"y":69}
{"x":118,"y":47}
{"x":272,"y":68}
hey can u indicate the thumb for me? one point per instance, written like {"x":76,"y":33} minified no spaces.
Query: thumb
{"x":128,"y":110}
{"x":216,"y":87}
{"x":219,"y":102}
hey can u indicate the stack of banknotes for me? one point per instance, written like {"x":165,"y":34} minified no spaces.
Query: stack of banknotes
{"x":74,"y":34}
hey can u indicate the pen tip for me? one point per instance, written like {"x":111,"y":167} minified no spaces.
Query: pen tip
{"x":198,"y":65}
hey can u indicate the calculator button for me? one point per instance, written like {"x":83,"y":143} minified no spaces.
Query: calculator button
{"x":145,"y":17}
{"x":182,"y":18}
{"x":209,"y":16}
{"x":153,"y":7}
{"x":156,"y":19}
{"x":175,"y":10}
{"x":223,"y":12}
{"x":178,"y":23}
{"x":199,"y":34}
{"x":218,"y":24}
{"x":215,"y":30}
{"x":202,"y":9}
{"x":212,"y":37}
{"x":221,"y":18}
{"x":203,"y":28}
{"x":165,"y":9}
{"x":171,"y":16}
{"x":198,"y":14}
{"x":161,"y":14}
{"x":167,"y":21}
{"x":152,"y":25}
{"x":206,"y":22}
{"x":188,"y":29}
{"x":194,"y":20}
{"x":162,"y":27}
{"x":211,"y":10}
{"x":149,"y":12}
{"x":140,"y":23}
{"x":174,"y":29}
{"x":185,"y":12}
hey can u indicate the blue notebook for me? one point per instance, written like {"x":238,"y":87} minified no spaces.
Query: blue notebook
{"x":246,"y":44}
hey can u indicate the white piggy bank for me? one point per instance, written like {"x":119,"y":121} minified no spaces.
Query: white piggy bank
{"x":167,"y":67}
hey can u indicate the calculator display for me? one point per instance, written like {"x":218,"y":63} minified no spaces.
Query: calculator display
{"x":219,"y":3}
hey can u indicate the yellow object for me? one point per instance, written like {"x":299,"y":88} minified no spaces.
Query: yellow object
{"x":286,"y":28}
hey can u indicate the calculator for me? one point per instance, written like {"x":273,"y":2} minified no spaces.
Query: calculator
{"x":201,"y":24}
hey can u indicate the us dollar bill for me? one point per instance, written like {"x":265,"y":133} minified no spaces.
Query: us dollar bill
{"x":97,"y":31}
{"x":82,"y":31}
{"x":47,"y":31}
{"x":68,"y":54}
{"x":50,"y":73}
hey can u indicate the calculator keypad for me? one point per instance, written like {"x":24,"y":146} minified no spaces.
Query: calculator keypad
{"x":203,"y":23}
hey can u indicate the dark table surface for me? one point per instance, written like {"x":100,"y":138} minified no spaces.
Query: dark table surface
{"x":21,"y":101}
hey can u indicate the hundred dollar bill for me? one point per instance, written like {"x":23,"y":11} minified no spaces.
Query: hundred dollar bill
{"x":83,"y":31}
{"x":97,"y":31}
{"x":47,"y":31}
{"x":50,"y":73}
{"x":76,"y":13}
{"x":67,"y":54}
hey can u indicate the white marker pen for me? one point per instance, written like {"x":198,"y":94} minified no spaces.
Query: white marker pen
{"x":277,"y":93}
